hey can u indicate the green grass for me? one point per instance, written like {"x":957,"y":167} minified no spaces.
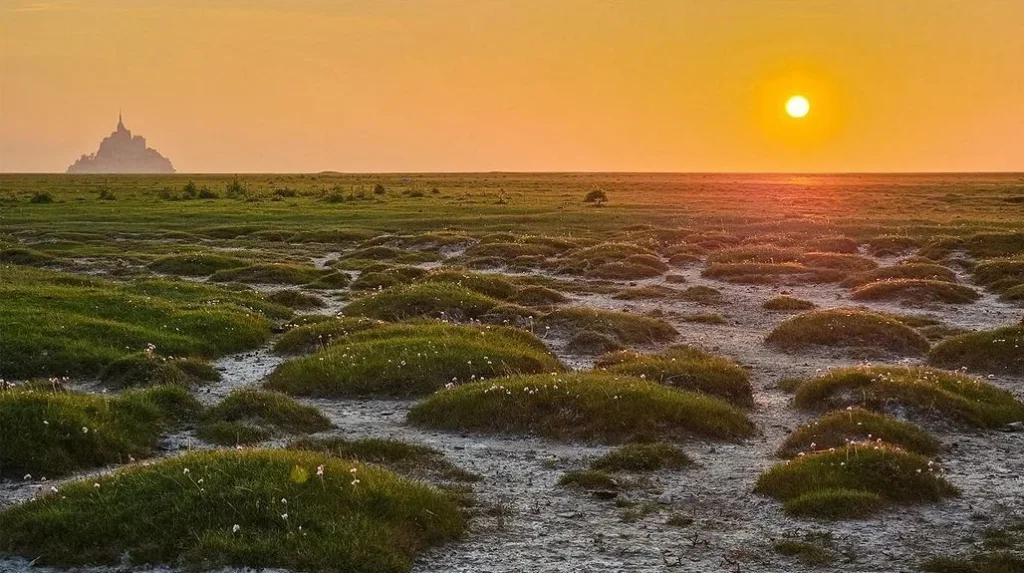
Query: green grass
{"x":284,"y":273}
{"x":623,"y":327}
{"x":59,"y":324}
{"x":195,"y":264}
{"x":814,"y":549}
{"x":756,"y":273}
{"x":52,"y":433}
{"x":311,"y":337}
{"x":755,"y":254}
{"x":847,"y":328}
{"x":642,"y":458}
{"x":382,"y":253}
{"x":412,"y":360}
{"x":147,"y":369}
{"x":949,"y":395}
{"x":434,"y":300}
{"x":183,"y":511}
{"x":787,"y":303}
{"x":592,"y":343}
{"x":702,"y":295}
{"x":250,"y":415}
{"x":411,"y":460}
{"x":921,"y":271}
{"x":838,"y":261}
{"x":704,"y":318}
{"x":584,"y":406}
{"x":915,"y":291}
{"x":1000,"y":351}
{"x":591,"y":480}
{"x":687,"y":368}
{"x":1000,"y":275}
{"x":296,"y":299}
{"x":27,"y":257}
{"x":831,"y":483}
{"x":987,"y":562}
{"x":377,"y":276}
{"x":836,"y":429}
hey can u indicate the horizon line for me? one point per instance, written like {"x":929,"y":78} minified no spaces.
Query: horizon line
{"x":513,"y":172}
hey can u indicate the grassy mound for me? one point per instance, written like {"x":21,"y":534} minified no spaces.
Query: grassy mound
{"x":623,"y":327}
{"x":839,"y":262}
{"x":60,"y":324}
{"x":296,"y":299}
{"x":702,"y":295}
{"x":832,"y":245}
{"x":536,"y":295}
{"x":755,"y":254}
{"x":412,"y":359}
{"x":915,"y":291}
{"x":787,"y":303}
{"x":985,"y":562}
{"x":891,"y":245}
{"x":950,"y":394}
{"x":590,"y":480}
{"x":406,"y":459}
{"x":311,"y":337}
{"x":1000,"y":351}
{"x":382,"y":253}
{"x":435,"y":300}
{"x":921,"y":271}
{"x":27,"y":257}
{"x":828,"y":484}
{"x":488,"y":284}
{"x":587,"y":406}
{"x":51,"y":433}
{"x":195,"y":264}
{"x":1001,"y":275}
{"x":147,"y":369}
{"x":847,"y":328}
{"x":247,"y":416}
{"x":687,"y":368}
{"x":284,"y":273}
{"x":836,"y":429}
{"x":755,"y":273}
{"x":378,"y":276}
{"x":592,"y":343}
{"x":237,"y":508}
{"x":642,"y":458}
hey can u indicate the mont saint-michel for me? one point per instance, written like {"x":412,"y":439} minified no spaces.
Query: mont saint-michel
{"x":122,"y":152}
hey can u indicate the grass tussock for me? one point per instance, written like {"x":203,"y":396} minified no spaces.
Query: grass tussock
{"x":380,"y":276}
{"x":1000,"y":275}
{"x":588,"y":406}
{"x":195,"y":264}
{"x":27,"y":257}
{"x":284,"y":273}
{"x":755,"y":254}
{"x":623,"y":327}
{"x":148,"y":369}
{"x":215,"y":509}
{"x":787,"y":304}
{"x":642,"y":458}
{"x":412,"y":360}
{"x":296,"y":299}
{"x":839,"y":262}
{"x":916,"y":291}
{"x":687,"y":368}
{"x":60,"y":324}
{"x":949,"y":395}
{"x":836,"y":429}
{"x":919,"y":271}
{"x":830,"y":483}
{"x":249,"y":415}
{"x":51,"y":432}
{"x":591,"y":480}
{"x":412,"y":460}
{"x":758,"y":273}
{"x":433,"y":300}
{"x":999,"y":351}
{"x":702,"y":295}
{"x":312,"y":337}
{"x":847,"y":328}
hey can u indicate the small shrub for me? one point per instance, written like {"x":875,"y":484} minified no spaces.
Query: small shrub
{"x":847,"y":328}
{"x":587,"y":406}
{"x":838,"y":428}
{"x":787,"y":303}
{"x":41,"y":197}
{"x":379,"y":189}
{"x":1000,"y":350}
{"x":950,"y":394}
{"x":596,"y":196}
{"x":642,"y":458}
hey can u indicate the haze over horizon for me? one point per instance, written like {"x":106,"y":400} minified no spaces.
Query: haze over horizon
{"x":391,"y":86}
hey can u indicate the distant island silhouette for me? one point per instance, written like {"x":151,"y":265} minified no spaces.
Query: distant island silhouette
{"x":121,"y":152}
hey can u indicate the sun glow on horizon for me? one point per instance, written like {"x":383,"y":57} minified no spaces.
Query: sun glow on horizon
{"x":798,"y":106}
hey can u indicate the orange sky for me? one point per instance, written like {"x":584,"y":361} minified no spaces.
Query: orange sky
{"x":570,"y":85}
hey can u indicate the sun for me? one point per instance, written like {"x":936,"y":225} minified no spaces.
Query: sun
{"x":797,"y":106}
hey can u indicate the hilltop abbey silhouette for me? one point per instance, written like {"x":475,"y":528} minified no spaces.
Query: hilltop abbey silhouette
{"x":121,"y":152}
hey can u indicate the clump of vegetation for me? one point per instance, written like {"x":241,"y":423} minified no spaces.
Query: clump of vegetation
{"x":378,"y":276}
{"x":382,"y":253}
{"x":249,"y":415}
{"x":51,"y":432}
{"x":493,"y":285}
{"x":832,"y":245}
{"x":891,"y":245}
{"x":702,"y":295}
{"x":308,"y":338}
{"x":836,"y":429}
{"x":41,"y":197}
{"x":815,"y":548}
{"x":620,"y":261}
{"x":847,"y":328}
{"x":1000,"y":351}
{"x":596,"y":196}
{"x":435,"y":300}
{"x":950,"y":394}
{"x":704,"y":318}
{"x":60,"y":324}
{"x":536,"y":295}
{"x":296,"y":299}
{"x":412,"y":359}
{"x":642,"y":458}
{"x":587,"y":406}
{"x":921,"y":271}
{"x":406,"y":459}
{"x":622,"y":327}
{"x":592,"y":343}
{"x":915,"y":291}
{"x":985,"y":562}
{"x":195,"y":264}
{"x":845,"y":482}
{"x":838,"y":261}
{"x":149,"y":369}
{"x":240,"y":509}
{"x":647,"y":292}
{"x":284,"y":273}
{"x":27,"y":257}
{"x":787,"y":303}
{"x":687,"y":368}
{"x":1000,"y":275}
{"x":590,"y":480}
{"x":755,"y":254}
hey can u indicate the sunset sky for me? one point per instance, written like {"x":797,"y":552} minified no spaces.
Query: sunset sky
{"x":572,"y":85}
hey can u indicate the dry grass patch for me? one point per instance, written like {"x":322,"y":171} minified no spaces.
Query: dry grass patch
{"x":624,"y":328}
{"x":787,"y":304}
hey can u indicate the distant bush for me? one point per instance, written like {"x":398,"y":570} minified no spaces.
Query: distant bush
{"x":596,"y":196}
{"x":107,"y":195}
{"x":235,"y":189}
{"x":41,"y":197}
{"x":379,"y":189}
{"x":189,"y":190}
{"x":207,"y":193}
